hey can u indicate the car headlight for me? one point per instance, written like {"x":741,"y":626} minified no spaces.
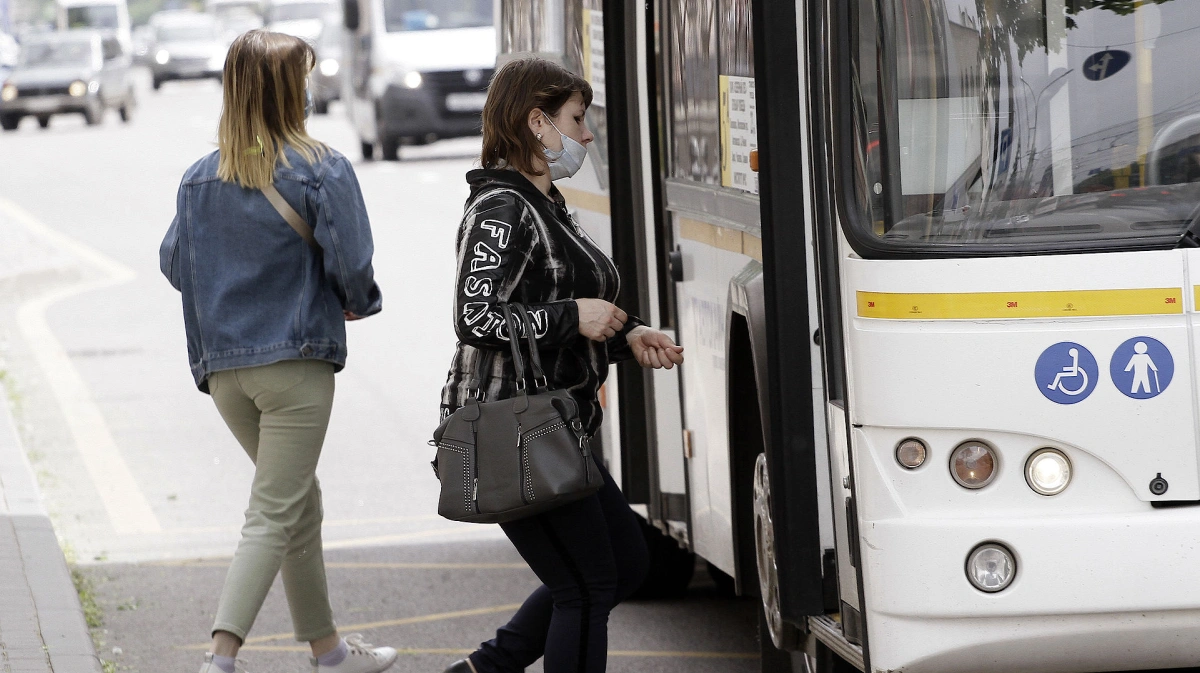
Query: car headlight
{"x":991,"y":567}
{"x":973,"y":464}
{"x":78,"y":88}
{"x":329,"y":67}
{"x":9,"y":92}
{"x":911,"y":453}
{"x":413,"y":79}
{"x":162,"y":57}
{"x":1048,"y":471}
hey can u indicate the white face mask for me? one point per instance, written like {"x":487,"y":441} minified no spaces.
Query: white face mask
{"x":566,"y":162}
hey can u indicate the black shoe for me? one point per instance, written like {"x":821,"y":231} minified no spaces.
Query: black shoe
{"x":460,"y":666}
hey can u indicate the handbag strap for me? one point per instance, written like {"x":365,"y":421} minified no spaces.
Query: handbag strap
{"x":535,"y":358}
{"x":291,"y":216}
{"x":514,"y":340}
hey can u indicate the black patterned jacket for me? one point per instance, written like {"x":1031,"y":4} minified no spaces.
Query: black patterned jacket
{"x":517,"y":245}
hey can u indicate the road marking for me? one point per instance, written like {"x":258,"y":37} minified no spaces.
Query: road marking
{"x":420,"y":619}
{"x":1048,"y":304}
{"x":126,"y":506}
{"x":224,"y":563}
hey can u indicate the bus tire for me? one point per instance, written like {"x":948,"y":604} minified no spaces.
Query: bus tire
{"x":671,"y":566}
{"x":783,"y":635}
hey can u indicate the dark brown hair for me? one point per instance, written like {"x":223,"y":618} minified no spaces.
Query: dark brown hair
{"x":518,"y":87}
{"x":263,"y":107}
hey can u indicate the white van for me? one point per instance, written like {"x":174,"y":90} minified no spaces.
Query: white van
{"x":109,"y":17}
{"x":418,"y":70}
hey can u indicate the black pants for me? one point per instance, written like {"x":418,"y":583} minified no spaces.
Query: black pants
{"x":589,"y":555}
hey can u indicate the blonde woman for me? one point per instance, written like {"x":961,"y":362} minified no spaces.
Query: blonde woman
{"x":271,"y":249}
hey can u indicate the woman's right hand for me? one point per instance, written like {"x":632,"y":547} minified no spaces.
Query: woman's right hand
{"x":600,"y":320}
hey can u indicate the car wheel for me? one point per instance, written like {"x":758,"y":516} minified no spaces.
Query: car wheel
{"x":10,"y":122}
{"x":157,"y":84}
{"x":390,"y":149}
{"x":92,"y":115}
{"x":368,"y":150}
{"x":127,"y":107}
{"x":44,"y":121}
{"x":321,"y":107}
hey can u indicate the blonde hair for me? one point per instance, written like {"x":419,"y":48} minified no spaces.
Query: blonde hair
{"x":263,"y":107}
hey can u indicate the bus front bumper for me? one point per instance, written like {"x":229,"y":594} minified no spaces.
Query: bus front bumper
{"x":1091,"y":593}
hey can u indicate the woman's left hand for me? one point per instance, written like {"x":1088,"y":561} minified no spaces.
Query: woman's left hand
{"x":654,"y":349}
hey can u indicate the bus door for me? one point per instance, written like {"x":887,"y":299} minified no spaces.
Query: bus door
{"x":1014,"y":183}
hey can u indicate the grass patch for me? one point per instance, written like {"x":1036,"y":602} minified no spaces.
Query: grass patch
{"x":92,"y":613}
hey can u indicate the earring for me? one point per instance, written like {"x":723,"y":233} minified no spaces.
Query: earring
{"x":538,"y":136}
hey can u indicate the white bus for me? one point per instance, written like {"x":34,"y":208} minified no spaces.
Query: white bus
{"x":110,"y":17}
{"x":931,"y":262}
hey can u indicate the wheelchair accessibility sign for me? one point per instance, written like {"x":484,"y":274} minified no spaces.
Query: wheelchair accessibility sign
{"x":1142,"y":368}
{"x":1066,"y":373}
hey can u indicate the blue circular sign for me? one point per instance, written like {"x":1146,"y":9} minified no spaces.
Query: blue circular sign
{"x":1104,"y":64}
{"x":1066,"y":373}
{"x":1142,"y":368}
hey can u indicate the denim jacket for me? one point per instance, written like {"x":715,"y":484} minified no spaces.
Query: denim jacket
{"x":254,"y":292}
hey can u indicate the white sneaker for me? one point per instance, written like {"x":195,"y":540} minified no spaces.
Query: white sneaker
{"x":361,"y":658}
{"x":209,"y":667}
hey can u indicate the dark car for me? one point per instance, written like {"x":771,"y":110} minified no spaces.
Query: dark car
{"x":76,"y":72}
{"x":187,"y":45}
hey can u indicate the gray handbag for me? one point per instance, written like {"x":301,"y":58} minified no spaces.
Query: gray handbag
{"x":509,"y":459}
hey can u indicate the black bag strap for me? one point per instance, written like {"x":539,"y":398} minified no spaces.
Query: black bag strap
{"x":535,"y":358}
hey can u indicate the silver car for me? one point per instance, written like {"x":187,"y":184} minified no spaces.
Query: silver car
{"x":187,"y":45}
{"x":77,"y":72}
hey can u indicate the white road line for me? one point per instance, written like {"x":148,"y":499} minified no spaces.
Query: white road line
{"x":127,"y":508}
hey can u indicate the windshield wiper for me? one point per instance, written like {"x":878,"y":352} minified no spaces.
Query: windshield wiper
{"x":1191,"y":235}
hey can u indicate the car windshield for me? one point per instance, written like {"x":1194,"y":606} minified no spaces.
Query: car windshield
{"x":92,"y":16}
{"x":406,"y":15}
{"x":1060,"y":124}
{"x":295,"y":11}
{"x":193,"y":32}
{"x":72,"y":52}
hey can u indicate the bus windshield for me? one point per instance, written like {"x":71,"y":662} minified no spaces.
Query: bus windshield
{"x":92,"y":16}
{"x":65,"y":53}
{"x":1029,"y":126}
{"x":406,"y":15}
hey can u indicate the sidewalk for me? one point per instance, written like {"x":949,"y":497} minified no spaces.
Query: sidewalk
{"x":42,"y":628}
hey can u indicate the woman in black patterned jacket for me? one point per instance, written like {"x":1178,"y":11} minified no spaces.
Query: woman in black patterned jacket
{"x":518,"y":243}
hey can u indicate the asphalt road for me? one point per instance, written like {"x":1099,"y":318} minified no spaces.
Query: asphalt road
{"x":147,"y":487}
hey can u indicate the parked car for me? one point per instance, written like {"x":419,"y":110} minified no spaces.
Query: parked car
{"x":187,"y":45}
{"x":77,"y":72}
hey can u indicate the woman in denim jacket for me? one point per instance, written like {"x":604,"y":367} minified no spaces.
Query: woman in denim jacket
{"x":264,"y":311}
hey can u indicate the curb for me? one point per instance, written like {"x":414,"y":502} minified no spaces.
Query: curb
{"x":42,"y":627}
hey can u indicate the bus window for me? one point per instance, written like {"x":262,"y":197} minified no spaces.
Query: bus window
{"x":92,"y":16}
{"x":694,"y":90}
{"x":988,"y":127}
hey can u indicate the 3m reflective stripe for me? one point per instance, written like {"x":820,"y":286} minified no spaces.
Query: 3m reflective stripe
{"x":991,"y":305}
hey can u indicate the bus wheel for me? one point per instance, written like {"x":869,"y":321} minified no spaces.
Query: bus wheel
{"x":782,"y":634}
{"x":390,"y":148}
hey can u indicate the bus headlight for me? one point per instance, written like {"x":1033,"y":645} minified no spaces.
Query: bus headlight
{"x":329,"y":67}
{"x":991,"y":567}
{"x":911,"y":453}
{"x":973,"y":464}
{"x":1048,"y":471}
{"x":9,"y":92}
{"x":78,"y":88}
{"x":162,"y":57}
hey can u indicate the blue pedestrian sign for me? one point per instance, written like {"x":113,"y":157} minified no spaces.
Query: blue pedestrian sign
{"x":1142,"y":368}
{"x":1105,"y":64}
{"x":1066,"y":373}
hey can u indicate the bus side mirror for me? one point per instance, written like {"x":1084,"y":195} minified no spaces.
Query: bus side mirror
{"x":350,"y":14}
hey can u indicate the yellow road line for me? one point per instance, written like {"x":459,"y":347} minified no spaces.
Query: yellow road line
{"x":366,"y":626}
{"x":224,"y":563}
{"x":450,"y":651}
{"x":1049,"y":304}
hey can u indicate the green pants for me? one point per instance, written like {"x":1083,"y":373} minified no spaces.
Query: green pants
{"x":279,"y":413}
